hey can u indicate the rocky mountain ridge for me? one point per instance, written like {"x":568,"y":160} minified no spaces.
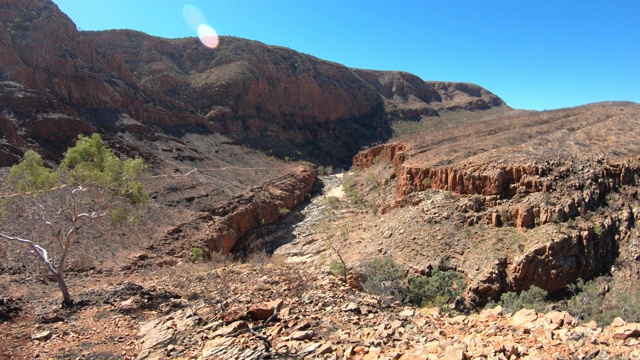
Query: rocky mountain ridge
{"x":508,"y":198}
{"x":268,"y":97}
{"x":165,"y":99}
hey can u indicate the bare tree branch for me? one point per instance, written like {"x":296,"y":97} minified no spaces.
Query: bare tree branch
{"x":41,"y":252}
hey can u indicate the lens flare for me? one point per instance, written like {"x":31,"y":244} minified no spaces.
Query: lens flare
{"x":208,"y":36}
{"x":193,"y":16}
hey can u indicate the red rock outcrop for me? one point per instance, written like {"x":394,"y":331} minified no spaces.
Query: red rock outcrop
{"x":220,"y":228}
{"x":245,"y":88}
{"x":276,"y":99}
{"x":42,"y":50}
{"x":561,"y":209}
{"x":484,"y":179}
{"x":268,"y":97}
{"x":580,"y":254}
{"x":392,"y":152}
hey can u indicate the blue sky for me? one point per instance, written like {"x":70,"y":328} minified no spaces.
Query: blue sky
{"x":534,"y":54}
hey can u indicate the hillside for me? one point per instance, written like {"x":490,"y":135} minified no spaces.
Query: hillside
{"x":439,"y":177}
{"x":188,"y":110}
{"x":510,"y":200}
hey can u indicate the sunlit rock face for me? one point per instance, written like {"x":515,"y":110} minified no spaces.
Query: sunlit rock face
{"x":272,"y":98}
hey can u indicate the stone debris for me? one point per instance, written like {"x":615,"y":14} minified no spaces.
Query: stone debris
{"x":263,"y":311}
{"x":42,"y":336}
{"x":329,"y":320}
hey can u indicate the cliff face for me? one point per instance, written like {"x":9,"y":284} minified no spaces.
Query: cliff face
{"x":42,"y":50}
{"x":243,"y":86}
{"x":279,"y":100}
{"x":554,"y":194}
{"x":272,"y":98}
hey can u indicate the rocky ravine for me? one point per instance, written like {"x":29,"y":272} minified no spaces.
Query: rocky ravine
{"x":187,"y":110}
{"x":509,"y":198}
{"x":560,"y":185}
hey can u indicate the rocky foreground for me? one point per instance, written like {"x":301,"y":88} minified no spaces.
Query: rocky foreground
{"x":202,"y":312}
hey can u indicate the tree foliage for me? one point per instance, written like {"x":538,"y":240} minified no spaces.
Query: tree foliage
{"x":31,"y":175}
{"x":91,"y":183}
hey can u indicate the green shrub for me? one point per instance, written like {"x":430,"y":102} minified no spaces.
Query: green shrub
{"x":383,"y":276}
{"x":332,"y":202}
{"x":439,"y":289}
{"x":533,"y":299}
{"x":197,"y":255}
{"x":588,"y":302}
{"x":352,"y":192}
{"x":371,"y":179}
{"x":597,"y":229}
{"x":338,"y":269}
{"x":325,"y":170}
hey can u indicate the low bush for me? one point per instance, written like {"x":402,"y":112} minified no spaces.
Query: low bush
{"x":588,"y":302}
{"x":196,"y":256}
{"x":534,"y":299}
{"x":383,"y":276}
{"x":338,"y":269}
{"x":349,"y":186}
{"x":325,"y":170}
{"x":439,"y":289}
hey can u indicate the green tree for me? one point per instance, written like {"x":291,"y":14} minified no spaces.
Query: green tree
{"x":91,"y":183}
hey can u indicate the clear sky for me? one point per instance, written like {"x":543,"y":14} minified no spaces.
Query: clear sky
{"x":537,"y":54}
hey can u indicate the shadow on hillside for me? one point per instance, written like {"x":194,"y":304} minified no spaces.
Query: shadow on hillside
{"x":269,"y":238}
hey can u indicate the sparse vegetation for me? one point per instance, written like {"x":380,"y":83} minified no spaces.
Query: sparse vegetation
{"x":91,"y":183}
{"x":383,"y":276}
{"x":589,"y":301}
{"x":196,"y":255}
{"x":383,"y":156}
{"x":332,"y":202}
{"x":597,"y":229}
{"x":438,"y":290}
{"x":338,"y":269}
{"x":349,"y":186}
{"x":371,"y":179}
{"x":334,"y":243}
{"x":534,"y":298}
{"x":219,"y":259}
{"x":325,"y":170}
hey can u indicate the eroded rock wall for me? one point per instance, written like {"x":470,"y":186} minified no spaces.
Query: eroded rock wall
{"x":593,"y":196}
{"x":219,"y":230}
